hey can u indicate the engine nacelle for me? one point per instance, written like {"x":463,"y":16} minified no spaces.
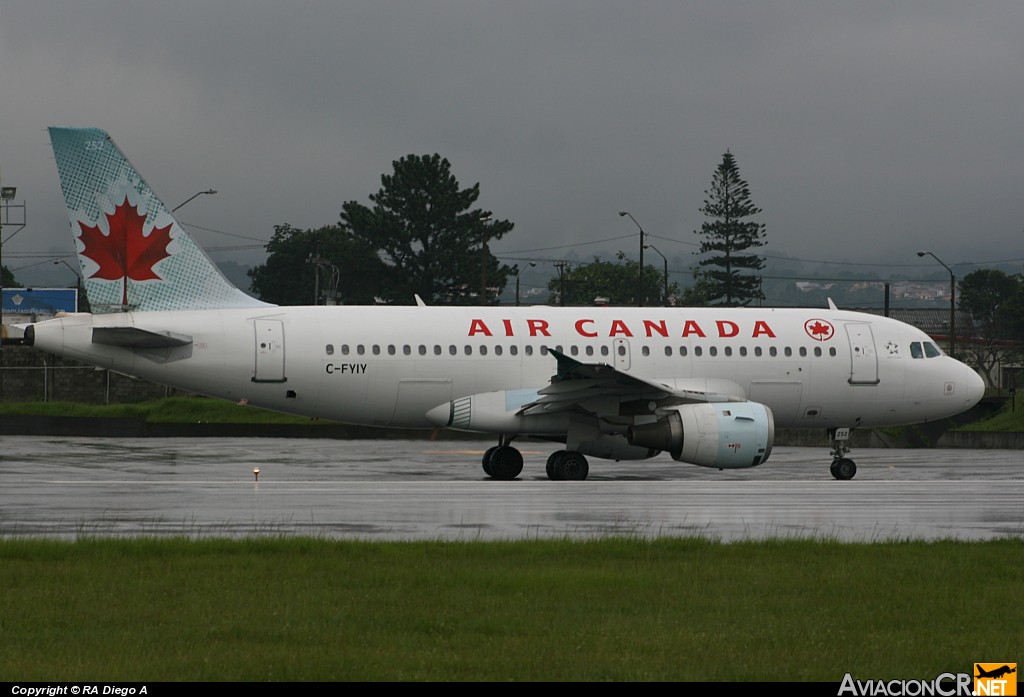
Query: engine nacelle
{"x":724,"y":435}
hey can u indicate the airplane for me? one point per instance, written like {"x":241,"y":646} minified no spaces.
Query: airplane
{"x":996,"y":672}
{"x":707,"y":386}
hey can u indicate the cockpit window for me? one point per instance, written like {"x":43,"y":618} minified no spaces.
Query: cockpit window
{"x":931,"y":350}
{"x":915,"y":350}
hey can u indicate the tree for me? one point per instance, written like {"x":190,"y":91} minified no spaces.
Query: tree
{"x":995,"y":302}
{"x":432,"y":242}
{"x":614,"y":282}
{"x":7,"y":279}
{"x":298,"y":259}
{"x":727,"y":236}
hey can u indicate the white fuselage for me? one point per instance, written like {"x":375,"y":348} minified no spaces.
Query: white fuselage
{"x":389,"y":366}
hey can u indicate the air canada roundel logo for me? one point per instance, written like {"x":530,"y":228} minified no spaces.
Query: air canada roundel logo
{"x":819,"y":329}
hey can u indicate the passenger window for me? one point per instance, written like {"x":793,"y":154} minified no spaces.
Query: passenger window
{"x":529,"y":350}
{"x":817,"y":351}
{"x":391,"y":349}
{"x":407,"y":350}
{"x":728,"y":350}
{"x":453,"y":350}
{"x":330,"y":349}
{"x":646,"y":350}
{"x":574,"y":350}
{"x":757,"y":351}
{"x":423,"y":350}
{"x":697,"y":351}
{"x":832,"y":351}
{"x":803,"y":351}
{"x":604,"y":350}
{"x":514,"y":350}
{"x":668,"y":350}
{"x":713,"y":351}
{"x":497,"y":350}
{"x":590,"y":350}
{"x":743,"y":350}
{"x":360,"y":349}
{"x":788,"y":352}
{"x":683,"y":351}
{"x":437,"y":350}
{"x":773,"y":352}
{"x":543,"y":350}
{"x":468,"y":350}
{"x":344,"y":349}
{"x":483,"y":350}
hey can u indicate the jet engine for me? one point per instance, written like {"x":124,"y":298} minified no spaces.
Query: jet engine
{"x":724,"y":435}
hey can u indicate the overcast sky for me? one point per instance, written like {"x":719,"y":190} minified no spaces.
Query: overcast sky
{"x":866,"y":130}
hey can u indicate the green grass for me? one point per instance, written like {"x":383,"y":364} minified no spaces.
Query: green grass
{"x":169,"y":410}
{"x":1008,"y":419}
{"x":613,"y":609}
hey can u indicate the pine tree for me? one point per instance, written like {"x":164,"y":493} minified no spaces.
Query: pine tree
{"x":729,"y":270}
{"x":432,"y":241}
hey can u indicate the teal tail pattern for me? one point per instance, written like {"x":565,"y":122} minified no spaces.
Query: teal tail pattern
{"x":134,"y":255}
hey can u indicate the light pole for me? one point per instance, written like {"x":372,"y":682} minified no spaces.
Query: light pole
{"x":208,"y":192}
{"x":78,"y":281}
{"x":640,"y":275}
{"x":952,"y":302}
{"x":6,"y":194}
{"x":517,"y":282}
{"x":485,"y":221}
{"x":651,"y":246}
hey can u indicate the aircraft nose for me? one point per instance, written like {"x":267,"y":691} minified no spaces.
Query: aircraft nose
{"x":975,"y":386}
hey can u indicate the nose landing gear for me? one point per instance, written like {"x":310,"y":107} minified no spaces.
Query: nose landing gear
{"x":842,"y":467}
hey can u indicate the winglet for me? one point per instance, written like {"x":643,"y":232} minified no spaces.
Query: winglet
{"x":832,"y":305}
{"x":565,"y":365}
{"x":133,"y":253}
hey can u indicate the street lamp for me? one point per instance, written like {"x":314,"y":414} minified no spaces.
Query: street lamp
{"x":208,"y":192}
{"x":952,"y":302}
{"x":640,"y":279}
{"x":517,"y":282}
{"x":78,"y":281}
{"x":485,"y":222}
{"x":651,"y":246}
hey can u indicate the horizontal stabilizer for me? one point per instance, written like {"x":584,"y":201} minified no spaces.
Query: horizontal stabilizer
{"x":131,"y":337}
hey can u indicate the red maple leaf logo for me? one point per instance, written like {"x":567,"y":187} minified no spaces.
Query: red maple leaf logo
{"x":819,"y":329}
{"x":125,"y":253}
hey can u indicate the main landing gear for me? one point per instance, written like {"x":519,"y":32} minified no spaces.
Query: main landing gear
{"x":842,"y":467}
{"x":504,"y":462}
{"x":567,"y":465}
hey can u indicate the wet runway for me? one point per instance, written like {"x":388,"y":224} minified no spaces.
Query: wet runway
{"x":404,"y":490}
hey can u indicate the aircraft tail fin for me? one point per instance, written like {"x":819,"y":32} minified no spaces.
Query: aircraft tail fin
{"x":133,"y":253}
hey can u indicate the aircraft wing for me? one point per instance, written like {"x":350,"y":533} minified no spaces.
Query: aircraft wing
{"x":593,"y":387}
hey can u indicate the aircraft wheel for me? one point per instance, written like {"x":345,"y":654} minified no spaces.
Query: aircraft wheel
{"x":845,"y":469}
{"x":553,"y":467}
{"x":486,"y":462}
{"x":574,"y":467}
{"x":505,"y":462}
